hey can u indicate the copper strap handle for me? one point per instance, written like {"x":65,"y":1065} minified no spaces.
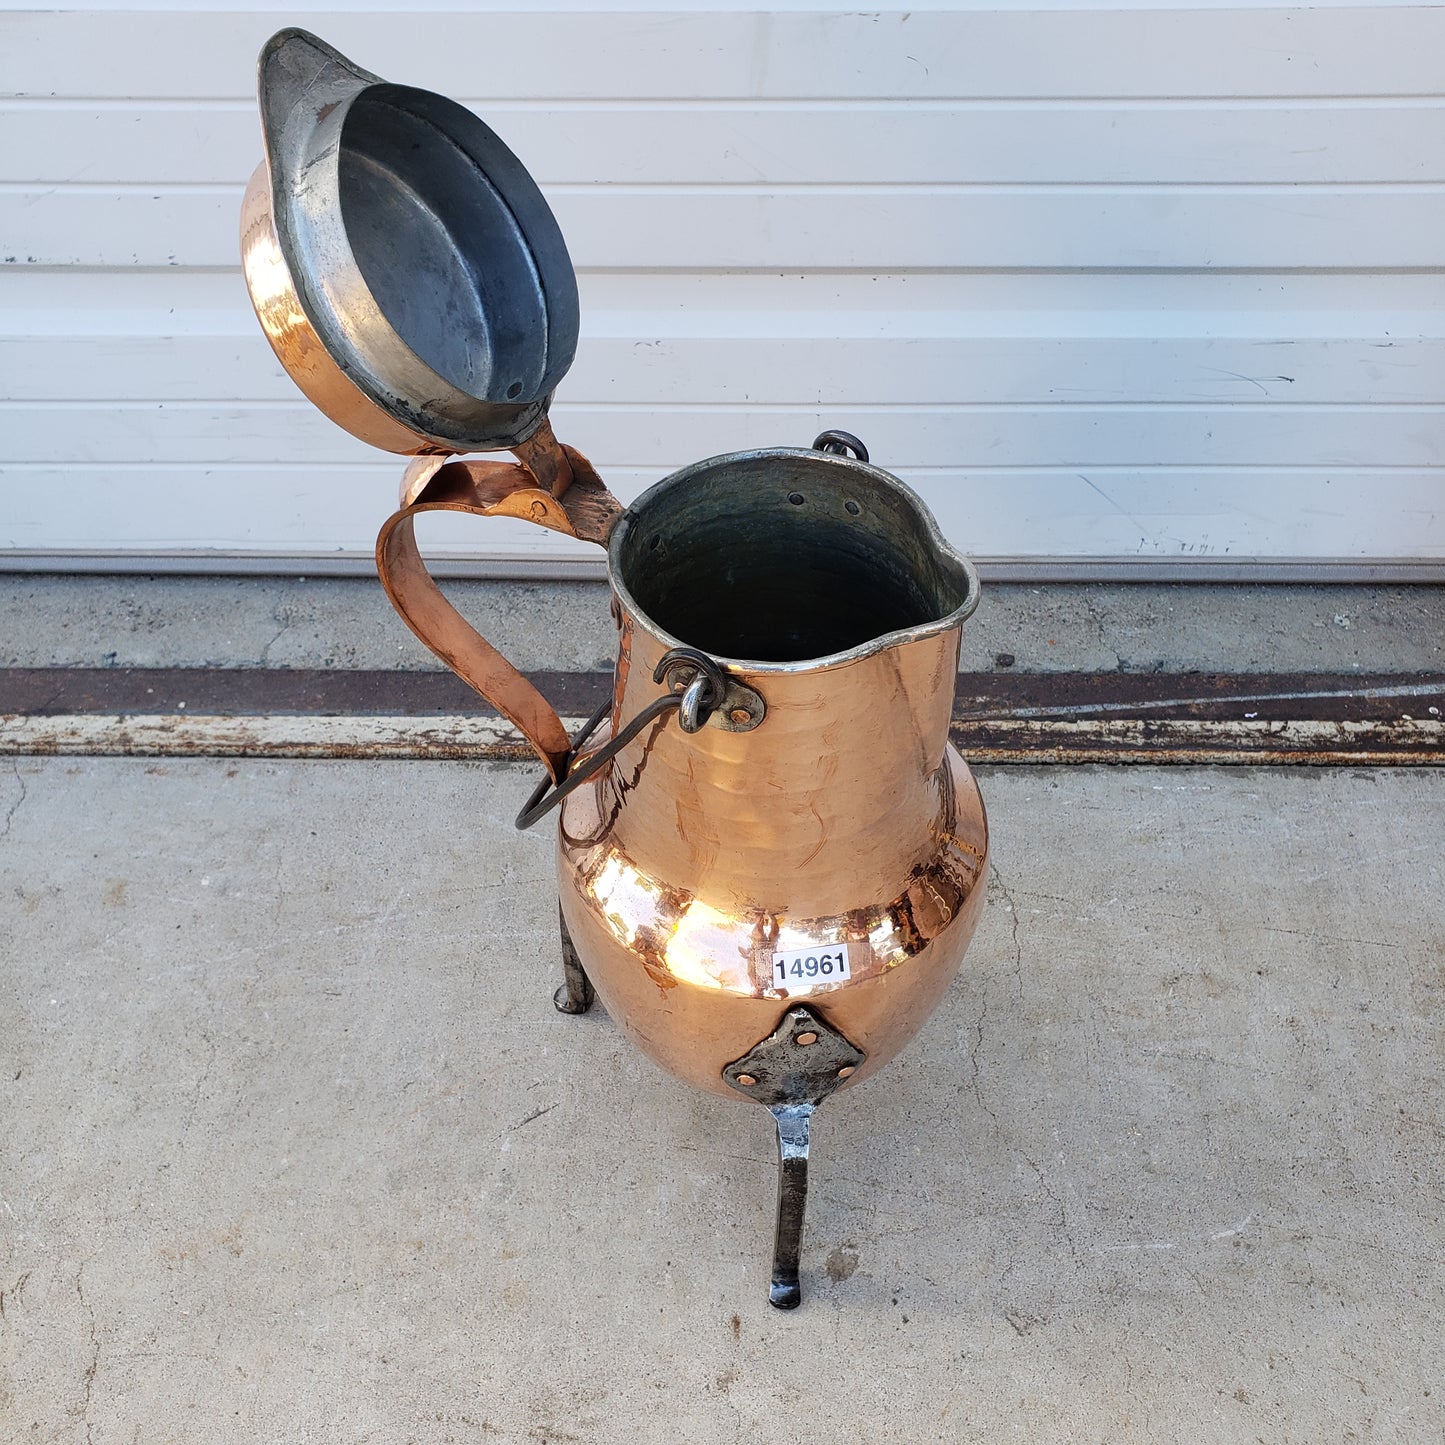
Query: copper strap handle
{"x":580,"y":507}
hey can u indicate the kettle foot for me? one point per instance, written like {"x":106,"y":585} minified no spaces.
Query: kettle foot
{"x":575,"y":995}
{"x":785,"y":1292}
{"x":790,"y":1073}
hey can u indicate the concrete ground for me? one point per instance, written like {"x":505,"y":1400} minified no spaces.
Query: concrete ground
{"x":97,"y":621}
{"x":295,"y":1148}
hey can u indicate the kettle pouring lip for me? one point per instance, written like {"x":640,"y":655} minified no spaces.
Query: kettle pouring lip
{"x":935,"y":542}
{"x":296,"y":67}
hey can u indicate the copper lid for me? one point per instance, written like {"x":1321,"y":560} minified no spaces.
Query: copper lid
{"x":408,"y":272}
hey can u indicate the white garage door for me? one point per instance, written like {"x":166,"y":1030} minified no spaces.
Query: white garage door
{"x":1129,"y":287}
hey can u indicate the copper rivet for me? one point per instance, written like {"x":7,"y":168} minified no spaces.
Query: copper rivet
{"x":739,"y":715}
{"x":806,"y":1039}
{"x":845,"y":1071}
{"x":746,"y":1080}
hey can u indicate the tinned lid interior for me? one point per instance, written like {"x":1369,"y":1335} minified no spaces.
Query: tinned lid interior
{"x":420,"y":248}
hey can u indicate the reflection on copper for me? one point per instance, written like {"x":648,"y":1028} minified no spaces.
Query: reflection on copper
{"x":293,"y":338}
{"x":688,"y":971}
{"x":612,"y":788}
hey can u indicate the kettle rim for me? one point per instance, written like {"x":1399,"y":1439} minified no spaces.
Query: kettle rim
{"x":934,"y":542}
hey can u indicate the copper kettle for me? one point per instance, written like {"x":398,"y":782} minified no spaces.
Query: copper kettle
{"x":769,"y":856}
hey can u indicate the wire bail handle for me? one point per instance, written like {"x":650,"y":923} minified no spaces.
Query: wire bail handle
{"x":697,"y":687}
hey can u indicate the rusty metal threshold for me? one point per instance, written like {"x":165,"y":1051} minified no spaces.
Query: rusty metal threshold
{"x":999,"y":717}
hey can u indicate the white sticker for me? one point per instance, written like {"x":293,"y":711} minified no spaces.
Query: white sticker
{"x":803,"y":968}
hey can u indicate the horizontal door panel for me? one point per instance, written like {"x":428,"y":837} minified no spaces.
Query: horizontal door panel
{"x":910,"y":142}
{"x":648,"y":435}
{"x":1355,"y":50}
{"x":1179,"y":228}
{"x":1018,"y":513}
{"x":814,"y":370}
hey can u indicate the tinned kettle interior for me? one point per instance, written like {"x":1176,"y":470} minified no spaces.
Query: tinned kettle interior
{"x":786,"y":555}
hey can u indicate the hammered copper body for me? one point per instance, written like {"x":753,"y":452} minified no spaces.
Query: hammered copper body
{"x":845,"y":816}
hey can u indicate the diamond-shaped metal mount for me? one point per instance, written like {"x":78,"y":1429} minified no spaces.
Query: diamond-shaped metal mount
{"x":786,"y":1070}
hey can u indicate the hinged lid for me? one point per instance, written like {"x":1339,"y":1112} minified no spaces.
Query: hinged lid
{"x":420,"y":253}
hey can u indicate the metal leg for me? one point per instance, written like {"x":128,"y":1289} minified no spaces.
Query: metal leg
{"x":793,"y":1119}
{"x":790,"y":1073}
{"x":575,"y":995}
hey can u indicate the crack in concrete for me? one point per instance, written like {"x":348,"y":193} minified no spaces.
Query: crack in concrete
{"x":1097,"y":619}
{"x":975,"y":1080}
{"x":973,"y":1059}
{"x":285,"y":614}
{"x":1096,"y":1007}
{"x":89,"y":1376}
{"x":530,"y":1118}
{"x":996,"y":880}
{"x":15,"y":806}
{"x":14,"y":1292}
{"x":1003,"y":888}
{"x":1061,"y":1221}
{"x":210,"y":1040}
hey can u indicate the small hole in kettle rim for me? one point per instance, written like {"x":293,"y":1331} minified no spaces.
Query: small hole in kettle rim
{"x":654,"y":543}
{"x":514,"y":391}
{"x":852,"y":508}
{"x":796,"y":498}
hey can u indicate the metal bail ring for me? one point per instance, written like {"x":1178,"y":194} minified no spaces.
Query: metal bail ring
{"x":709,"y":694}
{"x":840,"y":443}
{"x":697,"y":704}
